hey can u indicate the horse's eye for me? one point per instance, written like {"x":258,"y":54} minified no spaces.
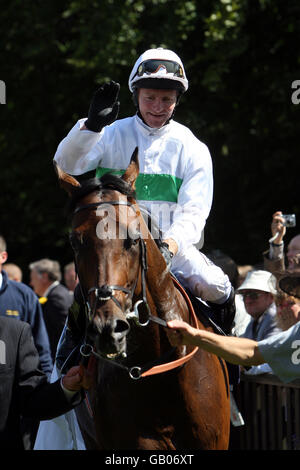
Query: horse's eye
{"x":75,"y":240}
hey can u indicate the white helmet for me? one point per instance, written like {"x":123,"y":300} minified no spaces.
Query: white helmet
{"x":158,"y":68}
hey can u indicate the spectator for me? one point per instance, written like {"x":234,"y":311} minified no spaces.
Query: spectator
{"x":70,"y":276}
{"x":274,"y":260}
{"x":23,"y":387}
{"x":14,"y":272}
{"x":288,"y":310}
{"x":290,"y":283}
{"x":258,"y":291}
{"x":45,"y":276}
{"x":277,"y":350}
{"x":18,"y":301}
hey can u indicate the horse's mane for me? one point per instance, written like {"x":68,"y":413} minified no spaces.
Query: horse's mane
{"x":107,"y":181}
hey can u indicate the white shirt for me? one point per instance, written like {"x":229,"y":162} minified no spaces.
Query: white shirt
{"x":171,"y":160}
{"x":54,"y":284}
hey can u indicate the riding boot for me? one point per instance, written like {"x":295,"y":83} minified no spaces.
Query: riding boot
{"x":225,"y":313}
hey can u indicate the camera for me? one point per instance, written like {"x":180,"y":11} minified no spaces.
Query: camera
{"x":289,"y":220}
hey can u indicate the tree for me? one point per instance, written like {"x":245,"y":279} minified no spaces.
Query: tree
{"x":241,"y":59}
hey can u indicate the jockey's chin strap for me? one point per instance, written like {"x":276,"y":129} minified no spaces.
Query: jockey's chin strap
{"x":106,"y":292}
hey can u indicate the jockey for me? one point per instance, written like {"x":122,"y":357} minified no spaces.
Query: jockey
{"x":175,"y":184}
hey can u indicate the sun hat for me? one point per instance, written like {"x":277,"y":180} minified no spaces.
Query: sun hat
{"x":259,"y":280}
{"x":290,"y":283}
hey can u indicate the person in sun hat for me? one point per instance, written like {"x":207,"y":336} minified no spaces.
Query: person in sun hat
{"x":175,"y":184}
{"x":258,"y":291}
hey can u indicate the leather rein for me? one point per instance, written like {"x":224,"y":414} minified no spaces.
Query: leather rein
{"x":106,"y":292}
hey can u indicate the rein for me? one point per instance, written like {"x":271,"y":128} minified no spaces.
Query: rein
{"x":106,"y":292}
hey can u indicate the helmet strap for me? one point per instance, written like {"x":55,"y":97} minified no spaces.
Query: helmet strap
{"x":135,"y":98}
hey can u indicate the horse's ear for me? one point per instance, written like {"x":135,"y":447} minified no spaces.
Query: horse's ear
{"x":132,"y":171}
{"x":67,"y":182}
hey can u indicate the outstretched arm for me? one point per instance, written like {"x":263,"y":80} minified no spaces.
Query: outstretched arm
{"x":80,"y":152}
{"x":241,"y":351}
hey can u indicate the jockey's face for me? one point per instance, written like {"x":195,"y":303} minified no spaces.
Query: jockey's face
{"x":156,"y":106}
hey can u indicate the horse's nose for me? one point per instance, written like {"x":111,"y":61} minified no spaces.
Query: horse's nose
{"x":120,"y":329}
{"x":114,"y":328}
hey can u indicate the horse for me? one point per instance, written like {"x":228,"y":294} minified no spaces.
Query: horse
{"x":147,"y":394}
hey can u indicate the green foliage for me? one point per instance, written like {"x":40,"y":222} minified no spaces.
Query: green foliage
{"x":241,"y":58}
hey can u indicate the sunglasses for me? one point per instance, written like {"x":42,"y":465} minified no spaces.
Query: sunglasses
{"x":153,"y":65}
{"x":252,"y":295}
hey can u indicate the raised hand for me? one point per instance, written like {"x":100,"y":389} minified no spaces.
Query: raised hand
{"x":104,"y":107}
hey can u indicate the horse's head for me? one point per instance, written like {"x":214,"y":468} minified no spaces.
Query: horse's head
{"x":107,"y":246}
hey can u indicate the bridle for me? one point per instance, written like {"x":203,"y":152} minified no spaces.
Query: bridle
{"x":106,"y":292}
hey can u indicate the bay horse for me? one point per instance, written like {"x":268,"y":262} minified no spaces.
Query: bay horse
{"x":147,"y":395}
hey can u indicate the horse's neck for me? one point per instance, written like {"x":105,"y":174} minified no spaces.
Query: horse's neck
{"x":167,"y":299}
{"x":168,"y":302}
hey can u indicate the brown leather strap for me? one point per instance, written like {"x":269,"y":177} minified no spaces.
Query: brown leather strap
{"x":178,"y":362}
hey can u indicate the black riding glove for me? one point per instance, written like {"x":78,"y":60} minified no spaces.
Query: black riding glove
{"x":164,"y":249}
{"x":104,"y":107}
